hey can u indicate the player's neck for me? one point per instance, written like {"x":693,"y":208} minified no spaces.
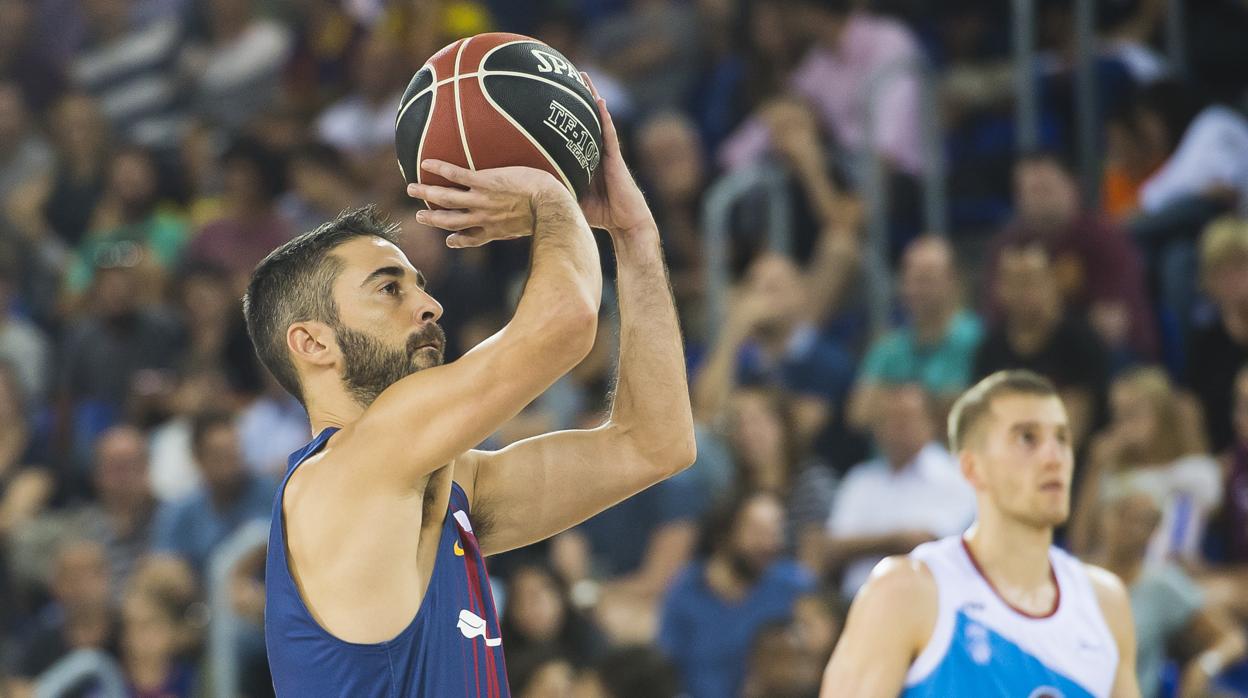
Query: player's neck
{"x":332,"y":408}
{"x":1010,"y":553}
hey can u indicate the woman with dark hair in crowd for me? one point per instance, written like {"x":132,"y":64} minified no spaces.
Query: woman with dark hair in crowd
{"x":162,"y":621}
{"x":770,"y":458}
{"x":539,"y":613}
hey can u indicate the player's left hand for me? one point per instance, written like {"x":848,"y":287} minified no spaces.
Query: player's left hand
{"x":614,"y":202}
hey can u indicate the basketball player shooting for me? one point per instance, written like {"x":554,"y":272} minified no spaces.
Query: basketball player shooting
{"x":375,"y":583}
{"x":997,"y":611}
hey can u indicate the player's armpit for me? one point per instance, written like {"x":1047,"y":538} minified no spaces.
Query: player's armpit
{"x":889,"y":623}
{"x":540,"y":486}
{"x":1116,"y":606}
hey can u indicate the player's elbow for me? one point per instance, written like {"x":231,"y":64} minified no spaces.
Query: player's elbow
{"x":570,"y":330}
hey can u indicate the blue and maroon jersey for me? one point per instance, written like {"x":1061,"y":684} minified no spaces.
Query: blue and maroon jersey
{"x":451,"y":648}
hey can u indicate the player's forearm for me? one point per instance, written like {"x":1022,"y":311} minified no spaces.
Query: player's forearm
{"x":651,"y":402}
{"x":564,"y":288}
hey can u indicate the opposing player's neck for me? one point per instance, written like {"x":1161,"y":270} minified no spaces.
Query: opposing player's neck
{"x":1013,"y":555}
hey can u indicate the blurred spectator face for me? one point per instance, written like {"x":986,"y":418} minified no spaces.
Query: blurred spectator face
{"x":115,"y":289}
{"x":121,"y":467}
{"x":13,"y":30}
{"x":207,"y":299}
{"x":79,"y":126}
{"x":1026,"y":286}
{"x":80,"y":577}
{"x":106,"y":16}
{"x":816,"y":626}
{"x":928,"y":277}
{"x":424,"y":246}
{"x":553,"y":680}
{"x":377,"y":67}
{"x":1227,"y":284}
{"x":758,"y":433}
{"x":1239,"y":413}
{"x":1135,"y":401}
{"x":1127,"y":525}
{"x":12,"y":116}
{"x":778,"y":281}
{"x":806,"y":20}
{"x":536,"y":604}
{"x":150,"y":632}
{"x":671,"y":158}
{"x":1021,"y":458}
{"x":220,"y":457}
{"x":768,"y":30}
{"x":780,"y":667}
{"x":904,"y":425}
{"x":133,"y":180}
{"x":757,"y":537}
{"x":1045,"y":194}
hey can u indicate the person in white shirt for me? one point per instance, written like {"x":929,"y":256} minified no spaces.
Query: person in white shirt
{"x":910,"y":494}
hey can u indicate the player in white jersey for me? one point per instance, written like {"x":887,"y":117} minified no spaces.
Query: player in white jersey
{"x":997,"y":611}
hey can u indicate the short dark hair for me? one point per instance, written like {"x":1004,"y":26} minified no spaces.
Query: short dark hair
{"x":294,"y":283}
{"x":970,"y":409}
{"x":205,"y":422}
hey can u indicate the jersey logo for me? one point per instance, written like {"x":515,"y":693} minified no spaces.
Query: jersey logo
{"x":461,"y":518}
{"x":977,"y":644}
{"x":459,"y":550}
{"x":473,"y":626}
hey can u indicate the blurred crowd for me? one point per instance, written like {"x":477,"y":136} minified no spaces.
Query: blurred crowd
{"x":153,"y":151}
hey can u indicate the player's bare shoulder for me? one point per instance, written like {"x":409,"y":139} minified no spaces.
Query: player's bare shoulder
{"x":904,"y":580}
{"x":1111,"y":594}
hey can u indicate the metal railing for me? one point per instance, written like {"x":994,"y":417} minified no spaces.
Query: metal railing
{"x":77,"y":667}
{"x":223,"y":630}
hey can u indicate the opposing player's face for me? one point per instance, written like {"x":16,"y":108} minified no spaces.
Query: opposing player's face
{"x":1022,"y":459}
{"x":387,"y":324}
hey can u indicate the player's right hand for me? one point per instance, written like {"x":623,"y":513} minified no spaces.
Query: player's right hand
{"x":495,"y":204}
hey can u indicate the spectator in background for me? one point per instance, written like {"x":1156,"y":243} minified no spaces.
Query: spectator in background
{"x":1036,"y":332}
{"x":129,"y":222}
{"x":1098,"y":272}
{"x":630,"y":672}
{"x":193,"y":527}
{"x":83,"y":153}
{"x":326,"y":38}
{"x":538,"y":672}
{"x":23,"y":346}
{"x":322,"y":185}
{"x":818,"y":618}
{"x":110,"y":350}
{"x":935,"y":349}
{"x":1219,"y":348}
{"x":362,"y":122}
{"x":271,"y":426}
{"x":79,"y":617}
{"x":539,"y":614}
{"x":156,"y":631}
{"x":1169,"y":609}
{"x":770,"y":458}
{"x":174,"y":473}
{"x":26,"y":483}
{"x":780,"y":666}
{"x":769,"y":338}
{"x":652,"y":48}
{"x":133,"y":70}
{"x":251,"y":227}
{"x":208,"y":310}
{"x":24,"y":155}
{"x":1156,"y":434}
{"x":715,"y":607}
{"x":23,"y":60}
{"x":1228,"y":530}
{"x":121,"y":518}
{"x":239,"y":66}
{"x":913,"y":493}
{"x":848,"y":45}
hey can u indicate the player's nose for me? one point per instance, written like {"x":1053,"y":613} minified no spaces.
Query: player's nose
{"x":428,"y":309}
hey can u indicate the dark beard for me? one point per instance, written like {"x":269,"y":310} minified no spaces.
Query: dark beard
{"x":370,"y":366}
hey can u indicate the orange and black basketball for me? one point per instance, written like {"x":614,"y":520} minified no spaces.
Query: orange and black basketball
{"x":496,"y":100}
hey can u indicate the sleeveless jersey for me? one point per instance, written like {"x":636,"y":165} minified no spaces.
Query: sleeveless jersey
{"x":451,"y":647}
{"x":981,"y":646}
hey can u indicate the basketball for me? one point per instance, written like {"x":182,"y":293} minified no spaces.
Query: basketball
{"x":498,"y":100}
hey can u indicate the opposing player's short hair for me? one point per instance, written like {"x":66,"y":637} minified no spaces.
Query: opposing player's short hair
{"x":975,"y":403}
{"x":294,"y":283}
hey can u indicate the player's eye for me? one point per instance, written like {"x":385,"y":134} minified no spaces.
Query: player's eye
{"x":1028,"y":438}
{"x":391,"y":288}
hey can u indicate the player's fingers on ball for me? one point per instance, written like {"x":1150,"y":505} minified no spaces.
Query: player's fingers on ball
{"x":445,"y":197}
{"x":454,"y":173}
{"x":589,"y":83}
{"x":470,"y":237}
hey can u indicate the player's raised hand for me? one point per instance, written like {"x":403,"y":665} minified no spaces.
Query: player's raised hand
{"x":614,"y":202}
{"x":496,"y":204}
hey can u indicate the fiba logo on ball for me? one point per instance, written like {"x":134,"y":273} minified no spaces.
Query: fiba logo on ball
{"x":574,"y":133}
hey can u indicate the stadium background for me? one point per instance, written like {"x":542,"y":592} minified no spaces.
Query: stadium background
{"x":865,"y":205}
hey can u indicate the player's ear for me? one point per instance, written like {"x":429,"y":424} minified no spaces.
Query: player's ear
{"x":314,"y":342}
{"x":971,"y":468}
